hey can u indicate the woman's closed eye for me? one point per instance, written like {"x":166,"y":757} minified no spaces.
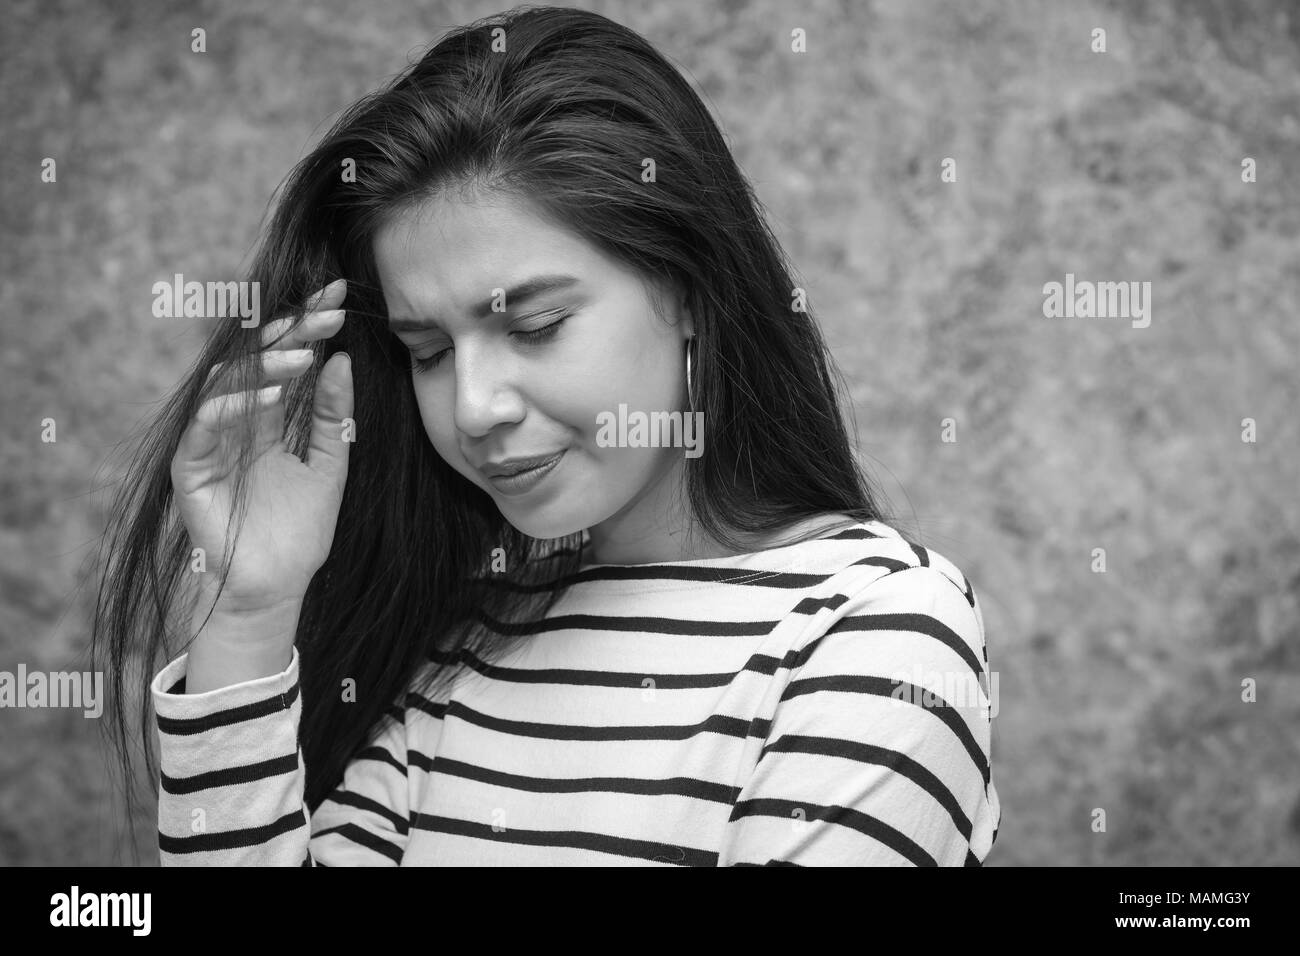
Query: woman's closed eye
{"x":535,"y":336}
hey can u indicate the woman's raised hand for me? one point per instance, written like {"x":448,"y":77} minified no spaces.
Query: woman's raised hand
{"x":292,"y":505}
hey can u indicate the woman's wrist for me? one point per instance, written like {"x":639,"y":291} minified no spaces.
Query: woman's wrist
{"x":234,"y":645}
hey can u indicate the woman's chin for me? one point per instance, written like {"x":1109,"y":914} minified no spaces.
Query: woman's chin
{"x":537,"y":526}
{"x":543,"y":519}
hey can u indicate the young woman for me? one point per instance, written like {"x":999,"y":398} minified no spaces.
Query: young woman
{"x":444,"y":602}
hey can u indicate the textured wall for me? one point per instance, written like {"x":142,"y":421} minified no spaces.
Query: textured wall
{"x":1119,"y":690}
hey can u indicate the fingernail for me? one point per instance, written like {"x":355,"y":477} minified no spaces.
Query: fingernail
{"x":315,"y":299}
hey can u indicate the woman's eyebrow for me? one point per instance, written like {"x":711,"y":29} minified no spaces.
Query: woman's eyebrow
{"x":528,"y":289}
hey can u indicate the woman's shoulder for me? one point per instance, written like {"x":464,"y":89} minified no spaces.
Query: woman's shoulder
{"x":883,"y":545}
{"x":870,"y":549}
{"x":899,"y":552}
{"x":916,"y":608}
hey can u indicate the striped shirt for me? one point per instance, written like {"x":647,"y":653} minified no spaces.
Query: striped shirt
{"x":821,"y":703}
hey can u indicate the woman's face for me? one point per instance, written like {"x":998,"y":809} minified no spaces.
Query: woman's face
{"x":487,"y":393}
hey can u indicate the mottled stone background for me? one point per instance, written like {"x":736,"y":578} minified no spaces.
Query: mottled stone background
{"x":1119,"y":690}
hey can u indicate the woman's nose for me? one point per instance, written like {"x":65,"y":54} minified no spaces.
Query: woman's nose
{"x":486,"y":395}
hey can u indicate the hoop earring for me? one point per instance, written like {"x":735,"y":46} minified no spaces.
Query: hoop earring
{"x":690,"y":390}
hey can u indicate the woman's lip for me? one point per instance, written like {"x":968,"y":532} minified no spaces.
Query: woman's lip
{"x":535,"y":461}
{"x":525,"y":480}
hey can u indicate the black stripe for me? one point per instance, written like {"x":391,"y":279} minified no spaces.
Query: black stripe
{"x":418,"y":760}
{"x":972,"y":859}
{"x":757,"y":663}
{"x":716,"y":724}
{"x":231,"y":839}
{"x":737,"y":577}
{"x":900,"y":763}
{"x":350,"y":798}
{"x":910,"y":694}
{"x":365,"y":838}
{"x":306,"y":860}
{"x":233,"y":715}
{"x":852,"y":534}
{"x":769,"y":863}
{"x":376,"y":752}
{"x":751,"y":577}
{"x":864,"y":823}
{"x":812,"y":605}
{"x":421,"y":703}
{"x":922,"y":555}
{"x":650,"y":625}
{"x":577,"y":839}
{"x":876,"y":561}
{"x":916,"y":623}
{"x":763,"y":664}
{"x":588,"y":678}
{"x":669,"y":786}
{"x":229,"y":776}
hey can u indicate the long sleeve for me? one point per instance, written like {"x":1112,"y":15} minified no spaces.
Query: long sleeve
{"x":231,"y":792}
{"x":879,"y":748}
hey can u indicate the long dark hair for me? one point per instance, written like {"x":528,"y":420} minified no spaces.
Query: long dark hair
{"x":564,"y":115}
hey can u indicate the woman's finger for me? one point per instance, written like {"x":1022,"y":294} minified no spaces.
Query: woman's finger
{"x":284,"y":334}
{"x":332,"y":405}
{"x":277,"y":366}
{"x":330,"y":297}
{"x":327,"y":299}
{"x":206,"y":429}
{"x":222,"y":411}
{"x":270,"y":426}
